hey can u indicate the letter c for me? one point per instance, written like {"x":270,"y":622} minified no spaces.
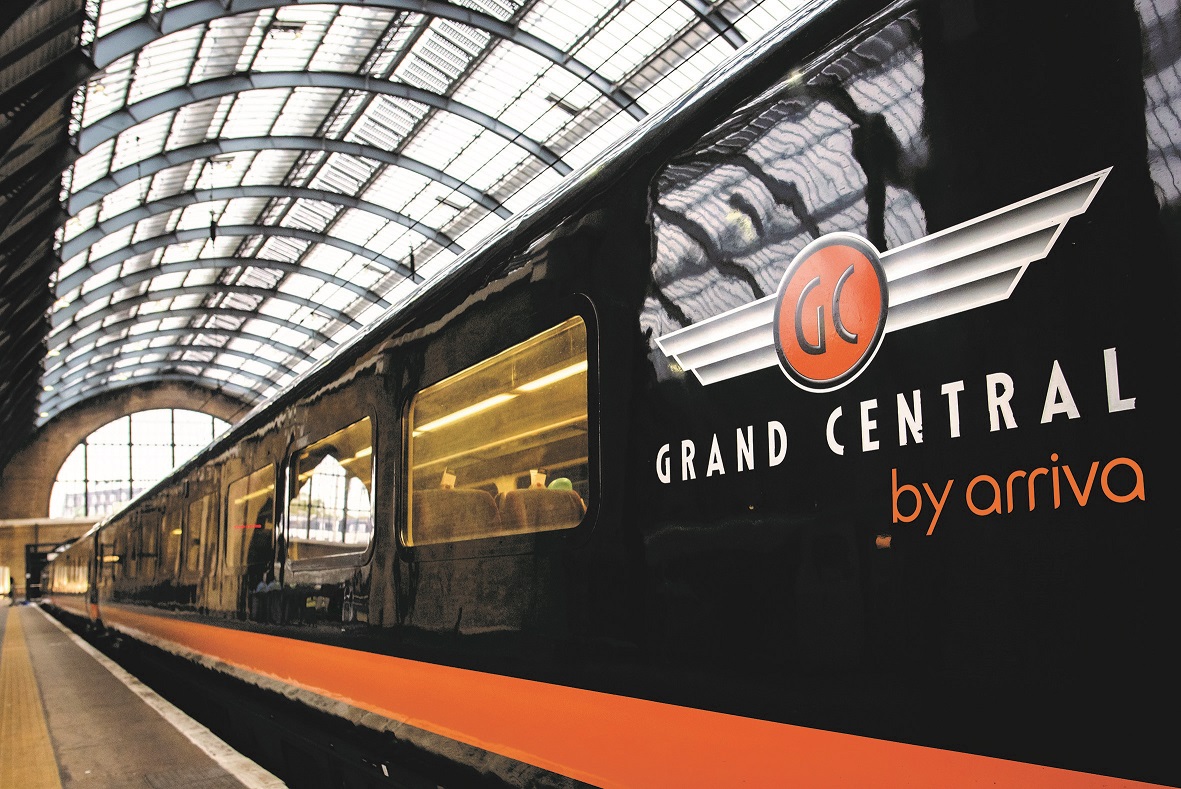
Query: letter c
{"x":838,"y":449}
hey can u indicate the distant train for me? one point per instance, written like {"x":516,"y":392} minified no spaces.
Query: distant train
{"x":821,"y":434}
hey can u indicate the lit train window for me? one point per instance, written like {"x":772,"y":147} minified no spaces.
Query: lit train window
{"x":197,"y":531}
{"x":501,"y":448}
{"x":331,"y":509}
{"x":170,"y":542}
{"x":250,"y":519}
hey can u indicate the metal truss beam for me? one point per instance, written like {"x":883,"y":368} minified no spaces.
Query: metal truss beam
{"x":74,"y":327}
{"x":24,"y":88}
{"x":200,"y":264}
{"x":718,"y":23}
{"x":76,"y":343}
{"x":104,"y":351}
{"x":68,"y":283}
{"x":184,"y":200}
{"x":55,"y":405}
{"x":92,"y":193}
{"x":102,"y":365}
{"x":109,"y":127}
{"x":151,"y":27}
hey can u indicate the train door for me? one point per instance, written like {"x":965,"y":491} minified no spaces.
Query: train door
{"x":249,"y":538}
{"x":199,"y":528}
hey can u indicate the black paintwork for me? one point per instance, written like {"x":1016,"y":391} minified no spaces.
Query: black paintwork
{"x":1042,"y":636}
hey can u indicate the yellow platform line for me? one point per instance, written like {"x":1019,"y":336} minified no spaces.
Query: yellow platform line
{"x":26,"y":753}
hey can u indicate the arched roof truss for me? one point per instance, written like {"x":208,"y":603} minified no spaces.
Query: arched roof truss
{"x":248,"y":164}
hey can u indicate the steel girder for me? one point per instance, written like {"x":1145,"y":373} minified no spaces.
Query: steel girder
{"x":115,"y":346}
{"x":55,"y":406}
{"x":92,"y":193}
{"x":109,"y":127}
{"x":71,"y":329}
{"x":77,"y":343}
{"x":68,"y":283}
{"x":102,"y":365}
{"x":151,"y":27}
{"x":199,"y":264}
{"x":195,"y":197}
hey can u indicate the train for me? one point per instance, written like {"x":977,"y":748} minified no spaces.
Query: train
{"x":817,"y":434}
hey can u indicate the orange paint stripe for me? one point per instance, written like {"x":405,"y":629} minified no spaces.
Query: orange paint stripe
{"x":75,"y":605}
{"x":598,"y":738}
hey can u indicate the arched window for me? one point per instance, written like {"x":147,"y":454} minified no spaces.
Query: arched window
{"x":125,"y":457}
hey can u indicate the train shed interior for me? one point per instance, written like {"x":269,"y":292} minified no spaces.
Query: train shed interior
{"x":200,"y":199}
{"x":205,"y":203}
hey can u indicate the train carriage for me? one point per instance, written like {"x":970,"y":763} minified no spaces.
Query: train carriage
{"x":817,"y":435}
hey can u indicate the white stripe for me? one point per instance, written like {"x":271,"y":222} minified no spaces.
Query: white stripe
{"x":237,"y":765}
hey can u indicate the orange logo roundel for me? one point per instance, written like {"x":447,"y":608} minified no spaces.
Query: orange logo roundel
{"x":831,"y":311}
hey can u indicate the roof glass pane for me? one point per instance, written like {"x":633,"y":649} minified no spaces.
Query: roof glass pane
{"x":654,"y":50}
{"x":164,"y":64}
{"x":564,"y":23}
{"x":114,"y":14}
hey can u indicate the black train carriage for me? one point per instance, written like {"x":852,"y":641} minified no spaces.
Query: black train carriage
{"x":825,"y":418}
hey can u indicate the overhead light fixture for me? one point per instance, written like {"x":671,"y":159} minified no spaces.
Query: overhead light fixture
{"x":563,"y":105}
{"x":364,"y":453}
{"x":464,"y":413}
{"x":554,"y":377}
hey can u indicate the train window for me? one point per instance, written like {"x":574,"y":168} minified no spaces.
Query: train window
{"x":197,"y":527}
{"x":250,"y":519}
{"x":170,"y":544}
{"x":501,"y":448}
{"x":332,"y":501}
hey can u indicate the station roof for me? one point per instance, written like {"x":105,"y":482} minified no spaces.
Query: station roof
{"x":221,"y":191}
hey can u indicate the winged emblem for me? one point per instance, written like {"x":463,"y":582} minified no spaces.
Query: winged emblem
{"x":840,"y":296}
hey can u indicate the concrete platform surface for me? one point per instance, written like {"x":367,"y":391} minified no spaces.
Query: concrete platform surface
{"x":70,"y":717}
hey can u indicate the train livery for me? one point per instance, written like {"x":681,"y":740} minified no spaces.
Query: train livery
{"x":820,"y":434}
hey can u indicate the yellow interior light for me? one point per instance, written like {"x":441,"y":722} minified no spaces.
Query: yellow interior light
{"x":554,"y":377}
{"x":464,"y":413}
{"x":254,"y":495}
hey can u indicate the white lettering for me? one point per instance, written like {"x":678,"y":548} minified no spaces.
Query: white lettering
{"x":688,"y":450}
{"x":1000,"y":392}
{"x":746,"y":448}
{"x":776,"y":433}
{"x":1114,"y":402}
{"x":715,"y":459}
{"x":867,"y":425}
{"x":910,"y":420}
{"x":664,"y":465}
{"x":1058,"y":397}
{"x":837,"y":449}
{"x":952,"y":391}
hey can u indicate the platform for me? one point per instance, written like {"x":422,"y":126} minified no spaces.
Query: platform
{"x":71,"y":717}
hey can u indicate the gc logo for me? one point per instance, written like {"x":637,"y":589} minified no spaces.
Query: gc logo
{"x":826,"y":321}
{"x":830,"y":311}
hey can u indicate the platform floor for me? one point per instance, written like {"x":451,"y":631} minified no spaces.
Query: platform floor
{"x":70,"y":717}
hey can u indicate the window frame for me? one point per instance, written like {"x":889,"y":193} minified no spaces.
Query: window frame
{"x":290,"y":457}
{"x":575,"y":306}
{"x":226,"y":510}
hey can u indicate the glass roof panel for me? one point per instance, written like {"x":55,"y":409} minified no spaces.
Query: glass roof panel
{"x":114,"y":14}
{"x":653,"y":49}
{"x":165,"y":64}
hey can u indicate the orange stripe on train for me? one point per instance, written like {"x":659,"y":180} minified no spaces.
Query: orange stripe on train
{"x":598,"y":738}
